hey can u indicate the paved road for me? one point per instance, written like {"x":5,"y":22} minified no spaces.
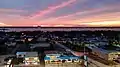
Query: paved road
{"x":63,"y":65}
{"x":94,"y":63}
{"x":14,"y":50}
{"x":66,"y":48}
{"x":69,"y":50}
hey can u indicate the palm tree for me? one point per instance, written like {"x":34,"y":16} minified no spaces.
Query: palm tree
{"x":14,"y":62}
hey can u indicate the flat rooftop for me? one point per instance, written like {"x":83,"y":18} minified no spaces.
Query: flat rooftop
{"x":58,"y":53}
{"x":40,"y":45}
{"x":106,"y":48}
{"x":28,"y":54}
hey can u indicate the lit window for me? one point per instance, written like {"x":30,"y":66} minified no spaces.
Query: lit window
{"x":26,"y":58}
{"x":35,"y":58}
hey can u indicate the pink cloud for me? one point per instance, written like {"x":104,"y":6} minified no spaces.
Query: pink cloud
{"x":95,"y":20}
{"x":11,"y":10}
{"x":53,"y":8}
{"x":88,"y":11}
{"x":16,"y":20}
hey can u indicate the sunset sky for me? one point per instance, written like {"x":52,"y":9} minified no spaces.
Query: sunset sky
{"x":83,"y":13}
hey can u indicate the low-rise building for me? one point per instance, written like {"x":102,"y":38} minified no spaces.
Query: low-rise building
{"x":60,"y":57}
{"x":106,"y":53}
{"x":29,"y":57}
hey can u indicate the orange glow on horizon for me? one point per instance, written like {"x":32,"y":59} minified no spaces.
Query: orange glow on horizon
{"x":104,"y":23}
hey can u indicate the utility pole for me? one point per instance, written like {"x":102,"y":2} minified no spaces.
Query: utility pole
{"x":85,"y":58}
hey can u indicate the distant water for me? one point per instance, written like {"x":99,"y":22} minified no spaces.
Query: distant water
{"x":56,"y":29}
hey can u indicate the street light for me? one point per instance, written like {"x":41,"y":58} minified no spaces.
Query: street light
{"x":85,"y":58}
